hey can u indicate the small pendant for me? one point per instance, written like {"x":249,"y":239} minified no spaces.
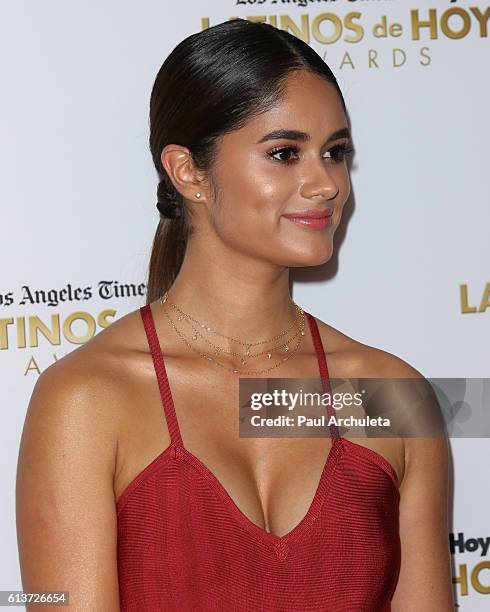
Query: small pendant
{"x":269,"y":355}
{"x":286,"y":348}
{"x":302,"y":332}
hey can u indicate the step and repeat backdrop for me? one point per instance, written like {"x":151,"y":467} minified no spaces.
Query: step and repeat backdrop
{"x":410,"y":272}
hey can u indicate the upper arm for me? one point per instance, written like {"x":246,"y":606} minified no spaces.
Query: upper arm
{"x":65,"y":507}
{"x":425,"y":581}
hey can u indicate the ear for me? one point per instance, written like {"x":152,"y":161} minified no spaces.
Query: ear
{"x":182,"y":171}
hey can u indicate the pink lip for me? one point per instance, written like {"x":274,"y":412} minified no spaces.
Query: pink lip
{"x":310,"y":213}
{"x":312,"y":217}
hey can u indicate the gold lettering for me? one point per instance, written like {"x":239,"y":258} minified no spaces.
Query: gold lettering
{"x":4,"y":337}
{"x":32,"y":366}
{"x":445,"y":23}
{"x":372,"y":56}
{"x":416,"y":24}
{"x":380,"y":30}
{"x":462,"y":579}
{"x":463,"y":297}
{"x":395,"y":50}
{"x":396,"y":29}
{"x":347,"y":60}
{"x":288,"y":24}
{"x":423,"y":54}
{"x":355,"y":27}
{"x":52,"y":335}
{"x":485,"y":299}
{"x":21,"y":332}
{"x":475,"y":578}
{"x":102,"y":318}
{"x":315,"y":28}
{"x":482,"y":19}
{"x":84,"y":316}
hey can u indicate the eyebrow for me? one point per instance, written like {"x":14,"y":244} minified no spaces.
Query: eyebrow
{"x":302,"y":136}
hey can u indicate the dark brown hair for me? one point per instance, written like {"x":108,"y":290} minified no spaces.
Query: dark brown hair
{"x":212,"y":83}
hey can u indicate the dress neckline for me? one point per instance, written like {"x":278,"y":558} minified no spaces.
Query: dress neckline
{"x":179,"y":451}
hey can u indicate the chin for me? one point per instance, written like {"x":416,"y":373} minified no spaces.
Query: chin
{"x":313,"y":257}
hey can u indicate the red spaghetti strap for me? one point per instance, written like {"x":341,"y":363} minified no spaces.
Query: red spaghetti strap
{"x":161,"y":373}
{"x":322,"y":365}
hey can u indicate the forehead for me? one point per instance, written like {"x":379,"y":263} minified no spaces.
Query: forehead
{"x":309,"y":103}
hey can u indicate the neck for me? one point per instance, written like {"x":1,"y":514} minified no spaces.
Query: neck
{"x":239,"y":297}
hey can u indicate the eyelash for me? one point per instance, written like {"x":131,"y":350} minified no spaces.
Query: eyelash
{"x":344,"y":150}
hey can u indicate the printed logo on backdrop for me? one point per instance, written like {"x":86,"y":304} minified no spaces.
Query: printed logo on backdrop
{"x":35,"y":332}
{"x":477,"y":303}
{"x":351,"y":39}
{"x":470,"y":576}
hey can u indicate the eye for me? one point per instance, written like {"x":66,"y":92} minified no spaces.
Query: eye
{"x":284,"y":153}
{"x":339,"y":152}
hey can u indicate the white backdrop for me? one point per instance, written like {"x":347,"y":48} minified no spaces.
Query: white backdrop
{"x":78,"y":196}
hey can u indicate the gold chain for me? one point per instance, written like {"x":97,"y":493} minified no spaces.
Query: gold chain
{"x":219,"y":350}
{"x":290,"y":354}
{"x":184,"y":315}
{"x":235,"y":370}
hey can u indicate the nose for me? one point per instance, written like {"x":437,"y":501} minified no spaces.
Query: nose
{"x":319,"y":184}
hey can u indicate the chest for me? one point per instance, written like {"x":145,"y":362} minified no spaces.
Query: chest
{"x":272,"y":481}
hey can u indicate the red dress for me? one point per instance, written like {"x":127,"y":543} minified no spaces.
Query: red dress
{"x":184,"y":545}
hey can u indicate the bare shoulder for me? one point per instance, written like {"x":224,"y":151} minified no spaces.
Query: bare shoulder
{"x":80,"y":400}
{"x":408,"y":390}
{"x":92,"y":379}
{"x":413,"y":403}
{"x":357,"y":359}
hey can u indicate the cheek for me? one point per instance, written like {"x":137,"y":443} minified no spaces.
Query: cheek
{"x":265,"y":197}
{"x":252,"y":195}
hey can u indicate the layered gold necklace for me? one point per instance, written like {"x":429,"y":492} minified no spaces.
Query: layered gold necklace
{"x":198,"y":329}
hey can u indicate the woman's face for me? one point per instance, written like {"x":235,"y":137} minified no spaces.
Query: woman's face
{"x":261,"y":177}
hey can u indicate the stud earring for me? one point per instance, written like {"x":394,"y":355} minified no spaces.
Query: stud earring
{"x":198,"y":195}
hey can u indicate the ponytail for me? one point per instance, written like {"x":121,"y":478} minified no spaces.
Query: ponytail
{"x":169,"y":243}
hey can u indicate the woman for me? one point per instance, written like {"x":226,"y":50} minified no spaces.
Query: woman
{"x":135,"y":491}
